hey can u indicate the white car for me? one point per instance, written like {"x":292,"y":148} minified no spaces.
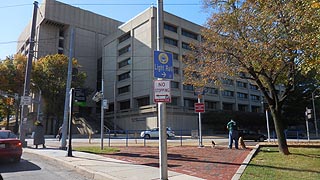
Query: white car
{"x":154,"y":133}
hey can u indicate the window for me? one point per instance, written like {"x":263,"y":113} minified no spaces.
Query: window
{"x":174,"y":84}
{"x":170,"y":41}
{"x":143,"y":101}
{"x":242,"y":95}
{"x":124,"y":62}
{"x":212,"y":90}
{"x":124,"y":89}
{"x":170,"y":27}
{"x":255,"y":98}
{"x":175,"y":56}
{"x":124,"y":37}
{"x":124,"y":105}
{"x":254,"y":87}
{"x":255,"y":109}
{"x":124,"y":76}
{"x":186,"y":46}
{"x":227,"y":106}
{"x":188,"y":87}
{"x":175,"y":70}
{"x":211,"y":105}
{"x":241,"y":84}
{"x":174,"y":101}
{"x":189,"y":34}
{"x":124,"y":50}
{"x":227,"y":93}
{"x":227,"y":82}
{"x":189,"y":102}
{"x":242,"y":107}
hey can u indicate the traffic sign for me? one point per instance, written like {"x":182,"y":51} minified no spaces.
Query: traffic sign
{"x":163,"y":67}
{"x":25,"y":100}
{"x":161,"y":91}
{"x":199,"y":107}
{"x":80,"y":97}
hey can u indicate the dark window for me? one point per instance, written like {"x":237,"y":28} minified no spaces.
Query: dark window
{"x":124,"y":89}
{"x":227,"y":82}
{"x":124,"y":50}
{"x":170,"y":27}
{"x":188,"y":87}
{"x":171,"y":41}
{"x":241,"y":84}
{"x":176,"y":70}
{"x":60,"y":51}
{"x":174,"y":84}
{"x":255,"y":109}
{"x":124,"y":105}
{"x":254,"y":87}
{"x":189,"y":102}
{"x":61,"y":33}
{"x":174,"y":101}
{"x":124,"y":62}
{"x":124,"y":76}
{"x":242,"y":107}
{"x":242,"y":95}
{"x":124,"y":37}
{"x":189,"y":34}
{"x":186,"y":46}
{"x":143,"y":101}
{"x":227,"y":106}
{"x":61,"y":43}
{"x":212,"y":90}
{"x":227,"y":93}
{"x":211,"y":105}
{"x":255,"y":98}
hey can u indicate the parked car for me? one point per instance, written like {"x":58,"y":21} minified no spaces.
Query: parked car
{"x":10,"y":146}
{"x":251,"y":135}
{"x":154,"y":133}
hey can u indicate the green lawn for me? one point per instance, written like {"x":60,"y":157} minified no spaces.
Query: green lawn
{"x":269,"y":164}
{"x":96,"y":149}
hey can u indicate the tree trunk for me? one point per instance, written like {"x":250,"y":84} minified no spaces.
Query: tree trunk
{"x":278,"y":123}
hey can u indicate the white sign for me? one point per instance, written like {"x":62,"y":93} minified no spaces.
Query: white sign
{"x":161,"y":90}
{"x":25,"y":100}
{"x":105,"y":104}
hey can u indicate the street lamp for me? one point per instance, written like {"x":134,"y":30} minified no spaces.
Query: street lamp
{"x":314,"y":112}
{"x":267,"y":118}
{"x":39,"y":100}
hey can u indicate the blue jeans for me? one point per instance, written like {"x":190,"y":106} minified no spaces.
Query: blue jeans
{"x":233,"y":136}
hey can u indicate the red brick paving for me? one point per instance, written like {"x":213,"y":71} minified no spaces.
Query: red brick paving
{"x":206,"y":163}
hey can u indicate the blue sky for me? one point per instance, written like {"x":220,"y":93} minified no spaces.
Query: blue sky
{"x":15,"y":14}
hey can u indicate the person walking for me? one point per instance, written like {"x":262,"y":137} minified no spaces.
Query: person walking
{"x":233,"y":134}
{"x":38,"y":137}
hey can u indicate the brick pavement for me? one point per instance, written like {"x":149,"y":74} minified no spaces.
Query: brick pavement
{"x":208,"y":163}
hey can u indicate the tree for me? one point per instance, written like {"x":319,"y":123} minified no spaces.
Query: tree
{"x":50,"y":74}
{"x":270,"y":41}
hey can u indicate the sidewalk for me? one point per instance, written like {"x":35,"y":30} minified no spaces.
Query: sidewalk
{"x":141,"y":163}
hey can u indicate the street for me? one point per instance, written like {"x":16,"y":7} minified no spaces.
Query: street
{"x":38,"y":168}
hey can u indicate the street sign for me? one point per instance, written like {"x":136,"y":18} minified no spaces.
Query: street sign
{"x":163,"y":67}
{"x":199,"y":107}
{"x":161,"y":90}
{"x":25,"y":100}
{"x":80,"y":97}
{"x":105,"y":104}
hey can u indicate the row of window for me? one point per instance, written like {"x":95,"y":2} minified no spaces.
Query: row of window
{"x":184,"y":32}
{"x":174,"y":42}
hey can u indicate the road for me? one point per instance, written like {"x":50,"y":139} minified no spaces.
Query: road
{"x":36,"y":168}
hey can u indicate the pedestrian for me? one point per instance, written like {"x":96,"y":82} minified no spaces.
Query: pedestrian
{"x":59,"y":135}
{"x":38,"y":137}
{"x":233,"y":133}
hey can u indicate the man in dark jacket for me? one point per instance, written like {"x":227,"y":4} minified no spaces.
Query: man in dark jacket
{"x":233,"y":134}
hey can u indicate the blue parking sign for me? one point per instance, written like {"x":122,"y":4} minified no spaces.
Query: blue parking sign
{"x":163,"y":67}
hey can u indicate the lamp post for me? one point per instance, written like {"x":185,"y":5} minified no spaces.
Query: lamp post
{"x":314,"y":112}
{"x":267,"y":118}
{"x":39,"y":100}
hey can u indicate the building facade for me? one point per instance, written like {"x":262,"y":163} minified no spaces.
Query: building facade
{"x":128,"y":76}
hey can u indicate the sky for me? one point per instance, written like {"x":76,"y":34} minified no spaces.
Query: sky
{"x":16,"y":14}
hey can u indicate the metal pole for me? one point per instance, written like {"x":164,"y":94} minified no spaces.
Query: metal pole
{"x":68,"y":86}
{"x":70,"y":121}
{"x":25,"y":110}
{"x":102,"y":113}
{"x":162,"y":109}
{"x":114,"y":109}
{"x":200,"y":128}
{"x":314,"y":114}
{"x":268,"y":129}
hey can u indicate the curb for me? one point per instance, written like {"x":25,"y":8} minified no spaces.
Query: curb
{"x":245,"y":163}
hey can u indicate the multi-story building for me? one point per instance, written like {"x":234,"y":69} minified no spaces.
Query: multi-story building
{"x":128,"y":73}
{"x":122,"y":55}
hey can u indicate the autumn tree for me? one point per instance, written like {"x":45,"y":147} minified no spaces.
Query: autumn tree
{"x":50,"y":74}
{"x":270,"y":41}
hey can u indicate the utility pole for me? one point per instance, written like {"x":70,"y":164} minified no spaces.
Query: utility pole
{"x":162,"y":108}
{"x":68,"y":87}
{"x":26,"y":91}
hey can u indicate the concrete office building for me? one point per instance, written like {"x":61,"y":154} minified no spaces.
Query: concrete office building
{"x":128,"y":72}
{"x":53,"y":28}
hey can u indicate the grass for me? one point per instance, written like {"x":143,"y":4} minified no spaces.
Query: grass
{"x":302,"y":163}
{"x":96,"y":149}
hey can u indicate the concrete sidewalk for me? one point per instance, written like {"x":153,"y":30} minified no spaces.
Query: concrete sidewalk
{"x":103,"y":168}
